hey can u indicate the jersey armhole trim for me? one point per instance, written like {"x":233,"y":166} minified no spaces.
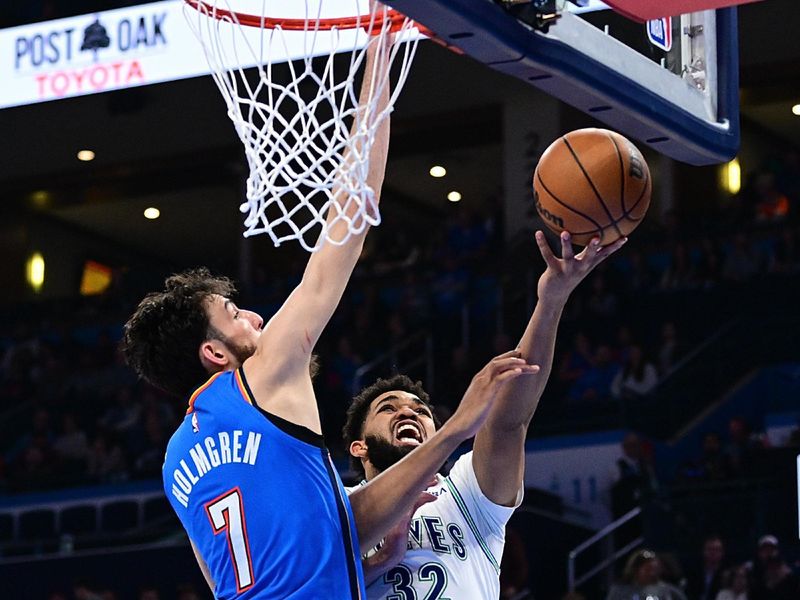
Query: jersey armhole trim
{"x":462,"y":507}
{"x":304,"y":434}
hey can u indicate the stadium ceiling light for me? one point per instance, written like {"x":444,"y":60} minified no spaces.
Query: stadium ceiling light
{"x":454,"y":196}
{"x":732,"y":177}
{"x":85,"y":155}
{"x":438,"y":171}
{"x":151,"y":213}
{"x":796,"y":109}
{"x":35,"y":271}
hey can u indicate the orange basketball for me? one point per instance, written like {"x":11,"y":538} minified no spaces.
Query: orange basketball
{"x":592,"y":183}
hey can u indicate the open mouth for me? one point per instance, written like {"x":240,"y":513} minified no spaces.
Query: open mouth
{"x":408,"y":433}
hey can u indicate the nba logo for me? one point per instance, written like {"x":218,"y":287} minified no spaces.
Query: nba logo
{"x":659,"y":32}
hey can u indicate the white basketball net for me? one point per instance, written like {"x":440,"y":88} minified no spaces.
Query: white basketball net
{"x":306,"y":138}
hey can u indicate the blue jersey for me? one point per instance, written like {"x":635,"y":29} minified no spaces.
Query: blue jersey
{"x":260,"y":499}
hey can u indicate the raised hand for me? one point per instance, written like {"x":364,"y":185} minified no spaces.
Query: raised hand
{"x":483,"y":389}
{"x":564,"y":274}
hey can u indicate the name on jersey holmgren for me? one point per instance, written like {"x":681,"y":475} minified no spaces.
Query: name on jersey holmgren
{"x":221,"y":449}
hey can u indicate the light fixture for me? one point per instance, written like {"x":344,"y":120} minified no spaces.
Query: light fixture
{"x":151,"y":213}
{"x":454,"y":196}
{"x":732,"y":177}
{"x":438,"y":171}
{"x":35,"y":271}
{"x":796,"y":109}
{"x":85,"y":155}
{"x":40,"y":198}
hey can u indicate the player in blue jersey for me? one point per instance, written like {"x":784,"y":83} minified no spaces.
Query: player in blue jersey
{"x":451,"y":544}
{"x":247,"y":471}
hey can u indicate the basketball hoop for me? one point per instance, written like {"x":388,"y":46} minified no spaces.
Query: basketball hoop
{"x":307,"y":140}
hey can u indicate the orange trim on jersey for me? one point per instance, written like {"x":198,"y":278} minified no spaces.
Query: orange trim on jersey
{"x":200,"y":390}
{"x":243,"y":387}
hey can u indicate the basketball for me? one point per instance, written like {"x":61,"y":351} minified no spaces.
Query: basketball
{"x":592,"y":183}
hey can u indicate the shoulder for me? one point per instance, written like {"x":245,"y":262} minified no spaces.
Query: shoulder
{"x":463,"y":484}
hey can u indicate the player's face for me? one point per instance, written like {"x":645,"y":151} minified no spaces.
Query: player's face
{"x":399,"y":418}
{"x":240,"y":328}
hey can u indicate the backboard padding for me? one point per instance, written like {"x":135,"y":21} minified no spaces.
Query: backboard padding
{"x":551,"y":62}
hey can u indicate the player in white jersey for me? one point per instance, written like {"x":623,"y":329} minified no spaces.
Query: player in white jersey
{"x":450,"y":546}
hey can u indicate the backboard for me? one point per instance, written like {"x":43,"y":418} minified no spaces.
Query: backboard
{"x":671,"y":83}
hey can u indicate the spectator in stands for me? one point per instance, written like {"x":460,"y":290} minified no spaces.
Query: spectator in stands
{"x":741,"y":263}
{"x":150,"y":456}
{"x":467,"y":238}
{"x":344,"y":365}
{"x":638,"y":277}
{"x":771,"y":204}
{"x":680,"y":273}
{"x":787,"y":254}
{"x":186,"y":591}
{"x":149,"y":593}
{"x":634,"y":482}
{"x":71,"y":445}
{"x":709,"y":267}
{"x":642,"y":579}
{"x":705,"y":581}
{"x":743,"y":449}
{"x":637,"y":378}
{"x":623,"y":342}
{"x":670,"y":349}
{"x":773,"y":579}
{"x":124,"y":414}
{"x":577,"y":360}
{"x":595,"y":383}
{"x":712,"y":465}
{"x":83,"y":590}
{"x":737,"y":584}
{"x":106,"y":460}
{"x":602,"y":302}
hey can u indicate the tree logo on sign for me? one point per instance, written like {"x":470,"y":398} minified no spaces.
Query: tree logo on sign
{"x":95,"y":37}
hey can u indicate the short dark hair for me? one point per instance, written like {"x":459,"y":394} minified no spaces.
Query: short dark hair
{"x":161,"y":339}
{"x":357,"y":411}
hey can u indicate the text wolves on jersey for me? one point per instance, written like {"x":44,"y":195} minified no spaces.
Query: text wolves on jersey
{"x":222,"y":449}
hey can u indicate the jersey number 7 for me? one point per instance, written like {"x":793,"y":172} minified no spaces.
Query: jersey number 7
{"x":226,"y":513}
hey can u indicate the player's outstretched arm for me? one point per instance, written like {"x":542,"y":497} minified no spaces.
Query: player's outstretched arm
{"x":380,"y":504}
{"x":285,"y":346}
{"x":499,"y":451}
{"x":395,"y":544}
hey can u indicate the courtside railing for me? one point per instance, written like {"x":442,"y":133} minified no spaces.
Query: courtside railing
{"x":574,"y":580}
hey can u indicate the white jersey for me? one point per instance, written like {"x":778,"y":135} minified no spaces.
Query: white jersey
{"x":454,"y":544}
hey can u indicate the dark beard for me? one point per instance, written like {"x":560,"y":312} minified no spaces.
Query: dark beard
{"x":240,"y":351}
{"x":383,"y":454}
{"x":243,"y":352}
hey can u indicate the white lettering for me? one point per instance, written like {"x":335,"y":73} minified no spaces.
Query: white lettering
{"x":237,"y":445}
{"x":182,"y":481}
{"x":200,"y":460}
{"x":182,"y":498}
{"x":251,"y":448}
{"x":212,"y":452}
{"x":225,"y":447}
{"x":192,"y":477}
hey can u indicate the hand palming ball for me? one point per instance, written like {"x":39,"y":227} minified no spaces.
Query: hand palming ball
{"x":592,"y":183}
